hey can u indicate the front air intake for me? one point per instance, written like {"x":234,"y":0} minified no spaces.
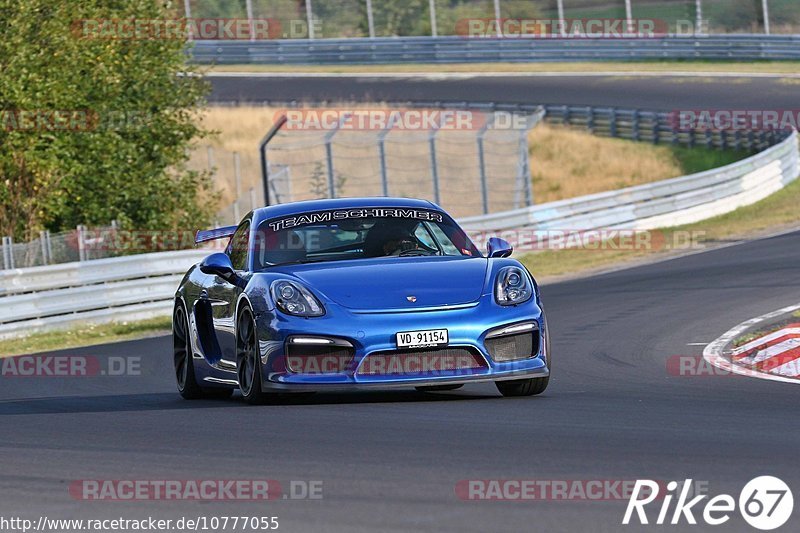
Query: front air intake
{"x":312,"y":358}
{"x":514,"y":346}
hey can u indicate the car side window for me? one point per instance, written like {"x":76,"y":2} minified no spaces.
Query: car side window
{"x":423,"y":235}
{"x":238,"y":247}
{"x":444,"y":240}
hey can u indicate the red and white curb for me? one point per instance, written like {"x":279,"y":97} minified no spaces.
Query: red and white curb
{"x":775,"y":356}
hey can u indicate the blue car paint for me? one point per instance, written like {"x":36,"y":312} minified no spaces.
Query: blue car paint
{"x":365,"y":304}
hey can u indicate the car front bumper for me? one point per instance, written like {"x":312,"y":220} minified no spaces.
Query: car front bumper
{"x":373,"y":333}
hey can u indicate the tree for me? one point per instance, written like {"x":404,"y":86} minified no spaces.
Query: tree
{"x":127,"y":110}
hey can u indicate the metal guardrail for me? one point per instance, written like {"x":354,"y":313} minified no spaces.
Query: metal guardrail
{"x":483,"y":50}
{"x":121,"y":288}
{"x":664,"y":203}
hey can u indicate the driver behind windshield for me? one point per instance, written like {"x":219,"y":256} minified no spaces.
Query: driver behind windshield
{"x":389,"y":239}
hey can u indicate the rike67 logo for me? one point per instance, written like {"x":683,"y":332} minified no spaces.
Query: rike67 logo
{"x":765,"y":503}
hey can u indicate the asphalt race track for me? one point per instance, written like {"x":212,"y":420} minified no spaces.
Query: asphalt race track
{"x":659,"y":93}
{"x":390,"y":461}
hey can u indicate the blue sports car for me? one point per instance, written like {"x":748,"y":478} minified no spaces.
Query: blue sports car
{"x":356,"y":293}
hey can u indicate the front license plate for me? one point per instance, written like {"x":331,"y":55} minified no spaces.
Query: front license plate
{"x":427,"y":338}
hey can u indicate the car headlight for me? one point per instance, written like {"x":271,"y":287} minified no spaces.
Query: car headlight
{"x":294,"y":299}
{"x":512,"y":286}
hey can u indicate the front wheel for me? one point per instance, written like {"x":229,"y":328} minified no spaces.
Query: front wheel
{"x":183,"y":360}
{"x":248,"y":363}
{"x":182,"y":356}
{"x":522,"y":387}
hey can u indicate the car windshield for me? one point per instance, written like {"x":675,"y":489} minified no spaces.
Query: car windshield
{"x":359,"y":233}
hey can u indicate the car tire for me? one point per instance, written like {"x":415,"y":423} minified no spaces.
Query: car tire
{"x":183,"y":361}
{"x":439,"y":388}
{"x":248,"y":363}
{"x":522,"y":387}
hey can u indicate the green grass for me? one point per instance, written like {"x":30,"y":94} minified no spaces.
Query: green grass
{"x":698,"y":159}
{"x":773,"y":213}
{"x":86,"y":335}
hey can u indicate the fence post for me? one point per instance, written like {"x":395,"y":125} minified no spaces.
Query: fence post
{"x":49,"y":245}
{"x":329,"y":154}
{"x":309,"y":19}
{"x":262,"y":153}
{"x":329,"y":164}
{"x":237,"y":173}
{"x":635,"y":125}
{"x":765,"y":9}
{"x":434,"y":165}
{"x":432,"y":9}
{"x":187,"y":6}
{"x":382,"y":158}
{"x":698,"y":17}
{"x":629,"y":16}
{"x":43,"y":243}
{"x":370,"y":20}
{"x":252,"y":199}
{"x":81,"y":244}
{"x":482,"y":164}
{"x":590,"y":119}
{"x":524,"y":171}
{"x":249,"y":8}
{"x":7,"y":260}
{"x":497,"y":17}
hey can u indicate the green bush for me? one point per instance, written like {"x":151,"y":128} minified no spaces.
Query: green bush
{"x":136,"y":117}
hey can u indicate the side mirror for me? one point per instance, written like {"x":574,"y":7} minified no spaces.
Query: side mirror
{"x":498,"y":247}
{"x":218,"y":264}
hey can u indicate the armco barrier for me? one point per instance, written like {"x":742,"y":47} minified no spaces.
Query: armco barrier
{"x":121,"y":288}
{"x":395,"y":50}
{"x":664,"y":203}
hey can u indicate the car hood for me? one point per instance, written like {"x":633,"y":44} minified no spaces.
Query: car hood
{"x":397,"y":283}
